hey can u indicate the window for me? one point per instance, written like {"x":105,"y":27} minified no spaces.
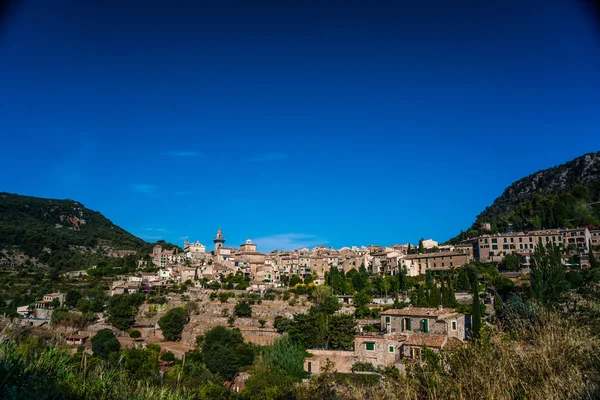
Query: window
{"x":406,"y":324}
{"x":520,"y":240}
{"x":391,"y":349}
{"x":512,"y":240}
{"x":425,"y":325}
{"x":387,"y":320}
{"x":370,"y":346}
{"x":453,"y":325}
{"x":494,"y":247}
{"x":309,"y":366}
{"x":505,"y":246}
{"x":494,"y":240}
{"x":504,"y":240}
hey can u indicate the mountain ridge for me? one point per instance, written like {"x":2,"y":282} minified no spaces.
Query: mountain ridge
{"x":559,"y":196}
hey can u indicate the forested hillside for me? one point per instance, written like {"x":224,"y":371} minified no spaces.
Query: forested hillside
{"x":563,"y":196}
{"x":58,"y":233}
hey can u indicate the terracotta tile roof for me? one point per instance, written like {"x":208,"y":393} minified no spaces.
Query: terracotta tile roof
{"x":426,"y":339}
{"x":420,"y":312}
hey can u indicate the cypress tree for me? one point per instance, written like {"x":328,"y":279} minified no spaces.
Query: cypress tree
{"x":476,"y":310}
{"x":451,"y":297}
{"x":435,"y":298}
{"x":443,"y":291}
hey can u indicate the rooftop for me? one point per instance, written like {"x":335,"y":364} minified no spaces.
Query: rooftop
{"x":420,"y":311}
{"x":426,"y":339}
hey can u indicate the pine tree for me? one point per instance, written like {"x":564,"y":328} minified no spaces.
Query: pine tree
{"x":421,"y":247}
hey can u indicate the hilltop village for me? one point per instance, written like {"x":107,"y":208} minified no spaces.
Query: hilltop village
{"x":392,"y":329}
{"x":274,"y":269}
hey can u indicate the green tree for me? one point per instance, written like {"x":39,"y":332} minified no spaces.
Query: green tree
{"x":243,"y":309}
{"x":324,"y":301}
{"x":421,"y":247}
{"x":286,"y":356}
{"x":511,"y":262}
{"x":135,"y":334}
{"x":122,"y":309}
{"x":361,"y":299}
{"x":294,"y":280}
{"x":435,"y":297}
{"x":173,"y":322}
{"x":475,"y":307}
{"x":547,"y":274}
{"x":224,"y":351}
{"x":72,"y":298}
{"x":105,"y":343}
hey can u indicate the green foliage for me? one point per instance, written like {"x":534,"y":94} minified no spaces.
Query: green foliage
{"x":547,"y":274}
{"x":224,"y":351}
{"x":324,"y":300}
{"x":537,"y":202}
{"x":512,"y":262}
{"x":122,"y":310}
{"x":173,"y":322}
{"x":135,"y":334}
{"x":319,"y":330}
{"x":363,"y":367}
{"x":282,"y":324}
{"x":294,"y":280}
{"x":269,"y":384}
{"x":142,"y":363}
{"x":475,"y":307}
{"x":286,"y":356}
{"x":104,"y":343}
{"x":243,"y":309}
{"x":36,"y":225}
{"x":167,"y":356}
{"x":72,"y":298}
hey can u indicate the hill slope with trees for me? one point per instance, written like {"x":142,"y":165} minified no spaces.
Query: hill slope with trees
{"x":557,"y":197}
{"x":58,"y":232}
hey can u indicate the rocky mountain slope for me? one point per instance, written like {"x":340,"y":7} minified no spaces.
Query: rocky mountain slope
{"x":57,"y":232}
{"x":560,"y":196}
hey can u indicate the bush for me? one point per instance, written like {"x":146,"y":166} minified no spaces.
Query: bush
{"x":167,"y":356}
{"x":243,"y":309}
{"x":172,"y":323}
{"x":135,"y":334}
{"x":262,"y":323}
{"x":105,"y":343}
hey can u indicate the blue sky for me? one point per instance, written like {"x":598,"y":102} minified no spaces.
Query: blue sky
{"x":294,"y":123}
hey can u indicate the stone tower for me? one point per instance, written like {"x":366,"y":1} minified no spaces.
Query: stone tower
{"x":219,"y":240}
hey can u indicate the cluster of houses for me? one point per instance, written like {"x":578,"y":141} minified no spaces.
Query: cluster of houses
{"x":271,"y":269}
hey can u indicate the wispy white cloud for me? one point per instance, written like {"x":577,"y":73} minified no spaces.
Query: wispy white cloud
{"x":151,"y":237}
{"x":144,"y":188}
{"x":265,"y":157}
{"x":287,"y":241}
{"x":156,"y":230}
{"x":181,"y":154}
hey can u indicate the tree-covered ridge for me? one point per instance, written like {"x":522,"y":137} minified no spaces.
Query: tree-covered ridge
{"x":558,"y":197}
{"x":50,"y":229}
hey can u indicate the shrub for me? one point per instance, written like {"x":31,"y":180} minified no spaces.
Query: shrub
{"x":172,"y":323}
{"x":243,"y":309}
{"x":135,"y":334}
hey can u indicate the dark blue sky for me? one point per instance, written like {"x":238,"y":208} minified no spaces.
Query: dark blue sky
{"x":294,"y":123}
